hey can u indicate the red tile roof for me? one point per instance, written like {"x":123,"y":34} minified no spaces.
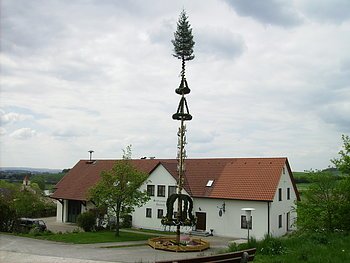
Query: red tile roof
{"x":75,"y":184}
{"x":234,"y":178}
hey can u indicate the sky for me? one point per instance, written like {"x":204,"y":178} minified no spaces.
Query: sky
{"x":269,"y":79}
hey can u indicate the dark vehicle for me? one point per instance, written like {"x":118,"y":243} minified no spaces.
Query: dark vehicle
{"x":26,"y":224}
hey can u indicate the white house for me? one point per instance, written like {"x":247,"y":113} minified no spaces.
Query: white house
{"x":220,"y":189}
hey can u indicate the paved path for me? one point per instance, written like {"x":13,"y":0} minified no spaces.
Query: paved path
{"x":14,"y":249}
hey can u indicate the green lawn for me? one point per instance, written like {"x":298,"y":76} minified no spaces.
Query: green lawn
{"x":91,"y":237}
{"x":323,"y":248}
{"x":152,"y":231}
{"x":332,"y":249}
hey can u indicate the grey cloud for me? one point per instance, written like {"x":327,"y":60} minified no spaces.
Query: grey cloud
{"x":71,"y":132}
{"x":337,"y":114}
{"x":28,"y":26}
{"x":220,"y":43}
{"x":163,"y":33}
{"x":272,"y":12}
{"x":336,"y":11}
{"x":200,"y":136}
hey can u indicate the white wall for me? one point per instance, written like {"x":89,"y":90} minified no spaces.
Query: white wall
{"x":229,"y":224}
{"x":160,"y":176}
{"x":58,"y":211}
{"x":284,"y":206}
{"x":61,"y":209}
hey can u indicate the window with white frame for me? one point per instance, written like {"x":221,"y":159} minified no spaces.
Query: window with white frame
{"x":279,"y":194}
{"x":161,"y":190}
{"x":160,"y":213}
{"x":279,"y":221}
{"x":150,"y":190}
{"x":288,"y":193}
{"x":171,"y":190}
{"x":149,"y":212}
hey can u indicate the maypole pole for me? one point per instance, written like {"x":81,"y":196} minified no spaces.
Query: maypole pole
{"x":183,"y":47}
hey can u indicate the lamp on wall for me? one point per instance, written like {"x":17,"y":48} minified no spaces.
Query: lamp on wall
{"x":248,"y":214}
{"x":222,"y":209}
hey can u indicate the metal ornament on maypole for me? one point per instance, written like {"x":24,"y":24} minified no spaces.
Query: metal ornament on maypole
{"x":182,"y":115}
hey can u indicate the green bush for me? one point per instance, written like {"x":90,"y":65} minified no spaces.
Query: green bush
{"x":86,"y":221}
{"x":126,"y":221}
{"x":268,"y":246}
{"x":271,"y":246}
{"x":252,"y":243}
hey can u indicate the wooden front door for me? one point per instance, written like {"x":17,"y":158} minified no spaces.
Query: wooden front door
{"x":74,"y":209}
{"x":201,"y":221}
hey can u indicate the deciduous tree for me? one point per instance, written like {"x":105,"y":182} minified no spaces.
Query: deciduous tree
{"x":343,"y":163}
{"x":326,"y":203}
{"x":118,"y":189}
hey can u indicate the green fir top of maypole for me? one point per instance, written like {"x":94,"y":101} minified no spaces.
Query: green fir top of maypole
{"x":183,"y":42}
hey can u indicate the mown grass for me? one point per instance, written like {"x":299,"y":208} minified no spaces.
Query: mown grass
{"x":315,"y":247}
{"x":152,"y":231}
{"x":303,"y":186}
{"x":89,"y":237}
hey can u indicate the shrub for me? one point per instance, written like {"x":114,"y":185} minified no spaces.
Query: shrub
{"x":271,"y":246}
{"x":126,"y":221}
{"x":86,"y":221}
{"x":35,"y":231}
{"x":252,"y":243}
{"x":7,"y":216}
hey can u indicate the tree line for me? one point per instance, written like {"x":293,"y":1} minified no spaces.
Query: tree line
{"x":44,"y":180}
{"x":325,"y":206}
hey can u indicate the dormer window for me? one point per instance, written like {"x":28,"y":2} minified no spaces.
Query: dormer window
{"x":210,"y":183}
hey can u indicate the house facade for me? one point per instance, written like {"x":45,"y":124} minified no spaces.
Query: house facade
{"x":220,"y":189}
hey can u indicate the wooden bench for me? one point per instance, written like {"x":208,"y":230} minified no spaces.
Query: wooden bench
{"x":234,"y":257}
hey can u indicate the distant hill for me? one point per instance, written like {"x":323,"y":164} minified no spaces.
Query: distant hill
{"x":24,"y":170}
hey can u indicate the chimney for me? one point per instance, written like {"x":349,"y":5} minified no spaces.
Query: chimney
{"x":90,"y":157}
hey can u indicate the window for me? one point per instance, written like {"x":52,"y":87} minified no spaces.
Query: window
{"x":210,"y":183}
{"x":288,"y":193}
{"x":149,"y":212}
{"x":279,"y":221}
{"x":279,"y":194}
{"x":160,"y":213}
{"x":171,"y":190}
{"x":161,"y":190}
{"x":244,"y":222}
{"x":150,"y":190}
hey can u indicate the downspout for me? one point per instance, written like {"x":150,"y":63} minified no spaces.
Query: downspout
{"x":62,"y":210}
{"x":268,"y":218}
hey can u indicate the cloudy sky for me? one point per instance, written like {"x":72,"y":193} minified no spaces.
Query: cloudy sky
{"x":270,"y":78}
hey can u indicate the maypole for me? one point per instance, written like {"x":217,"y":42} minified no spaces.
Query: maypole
{"x":183,"y":48}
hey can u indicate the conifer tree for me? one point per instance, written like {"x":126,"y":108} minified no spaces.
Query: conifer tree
{"x":183,"y":41}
